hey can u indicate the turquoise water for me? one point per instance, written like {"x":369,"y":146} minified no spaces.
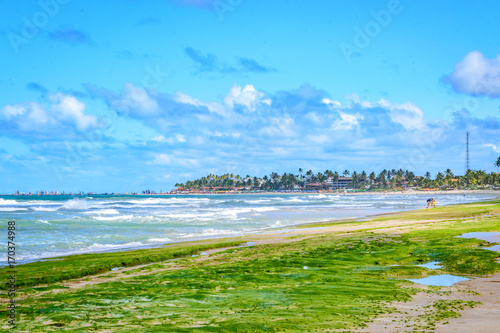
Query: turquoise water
{"x":445,"y":280}
{"x":60,"y":225}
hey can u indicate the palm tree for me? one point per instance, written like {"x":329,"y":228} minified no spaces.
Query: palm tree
{"x":355,"y":179}
{"x":427,"y":175}
{"x":372,"y":177}
{"x":410,"y":177}
{"x":497,"y":163}
{"x":346,"y":173}
{"x":309,"y":173}
{"x":335,"y":178}
{"x":300,"y":173}
{"x":383,"y":181}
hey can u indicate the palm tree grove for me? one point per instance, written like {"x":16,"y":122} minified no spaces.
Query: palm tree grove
{"x":346,"y":180}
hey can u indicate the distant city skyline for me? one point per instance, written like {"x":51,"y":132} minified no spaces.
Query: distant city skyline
{"x":114,"y":97}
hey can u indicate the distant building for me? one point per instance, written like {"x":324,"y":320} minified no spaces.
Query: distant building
{"x":342,"y":182}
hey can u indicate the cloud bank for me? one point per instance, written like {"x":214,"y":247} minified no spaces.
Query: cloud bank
{"x":476,"y":75}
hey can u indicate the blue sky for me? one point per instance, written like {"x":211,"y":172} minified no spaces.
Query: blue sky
{"x":131,"y":95}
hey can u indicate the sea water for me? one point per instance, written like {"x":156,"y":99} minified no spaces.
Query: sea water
{"x":49,"y":226}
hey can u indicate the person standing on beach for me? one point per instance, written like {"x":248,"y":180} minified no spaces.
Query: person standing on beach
{"x":431,"y":203}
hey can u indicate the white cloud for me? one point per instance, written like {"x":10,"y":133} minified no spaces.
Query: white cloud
{"x":346,"y":122}
{"x":335,"y":104}
{"x":282,"y":127}
{"x":159,"y":138}
{"x":279,"y":151}
{"x":64,"y":110}
{"x":313,"y":116}
{"x":180,"y":138}
{"x":219,"y":134}
{"x":476,"y":75}
{"x":136,"y":101}
{"x":214,"y":107}
{"x":495,"y":148}
{"x":354,"y":99}
{"x":165,"y":159}
{"x":69,"y":109}
{"x":408,"y":114}
{"x":12,"y":111}
{"x":319,"y":139}
{"x":170,"y":140}
{"x":161,"y":159}
{"x":247,"y":96}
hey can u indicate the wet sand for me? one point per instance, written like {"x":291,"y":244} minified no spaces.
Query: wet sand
{"x":482,"y":318}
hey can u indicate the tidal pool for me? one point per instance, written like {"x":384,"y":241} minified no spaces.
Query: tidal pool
{"x":492,"y":237}
{"x":431,"y":265}
{"x":445,"y":280}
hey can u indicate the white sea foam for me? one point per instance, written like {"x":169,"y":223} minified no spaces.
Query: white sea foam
{"x":108,"y":211}
{"x":114,"y":218}
{"x":75,"y":204}
{"x":261,"y":201}
{"x":218,"y":213}
{"x":159,"y":240}
{"x":12,"y":209}
{"x":4,"y":202}
{"x":211,"y":232}
{"x":100,"y":247}
{"x":95,"y":247}
{"x":44,"y":209}
{"x":166,"y":201}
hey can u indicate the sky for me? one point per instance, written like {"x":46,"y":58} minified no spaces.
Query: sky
{"x":129,"y":95}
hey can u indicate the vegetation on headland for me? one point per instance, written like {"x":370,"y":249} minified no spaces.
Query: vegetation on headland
{"x":385,"y":180}
{"x":324,"y":282}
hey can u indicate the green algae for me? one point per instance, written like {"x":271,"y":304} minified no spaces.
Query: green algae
{"x":78,"y":266}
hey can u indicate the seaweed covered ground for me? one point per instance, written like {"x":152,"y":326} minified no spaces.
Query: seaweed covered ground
{"x":336,"y":278}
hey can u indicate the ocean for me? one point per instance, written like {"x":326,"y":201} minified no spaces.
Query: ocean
{"x":49,"y":226}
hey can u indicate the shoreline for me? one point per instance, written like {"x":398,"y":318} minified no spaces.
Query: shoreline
{"x":255,"y":233}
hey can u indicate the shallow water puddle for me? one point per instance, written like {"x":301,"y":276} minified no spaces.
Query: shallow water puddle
{"x":431,"y":265}
{"x":248,"y":244}
{"x":492,"y":237}
{"x":445,"y":280}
